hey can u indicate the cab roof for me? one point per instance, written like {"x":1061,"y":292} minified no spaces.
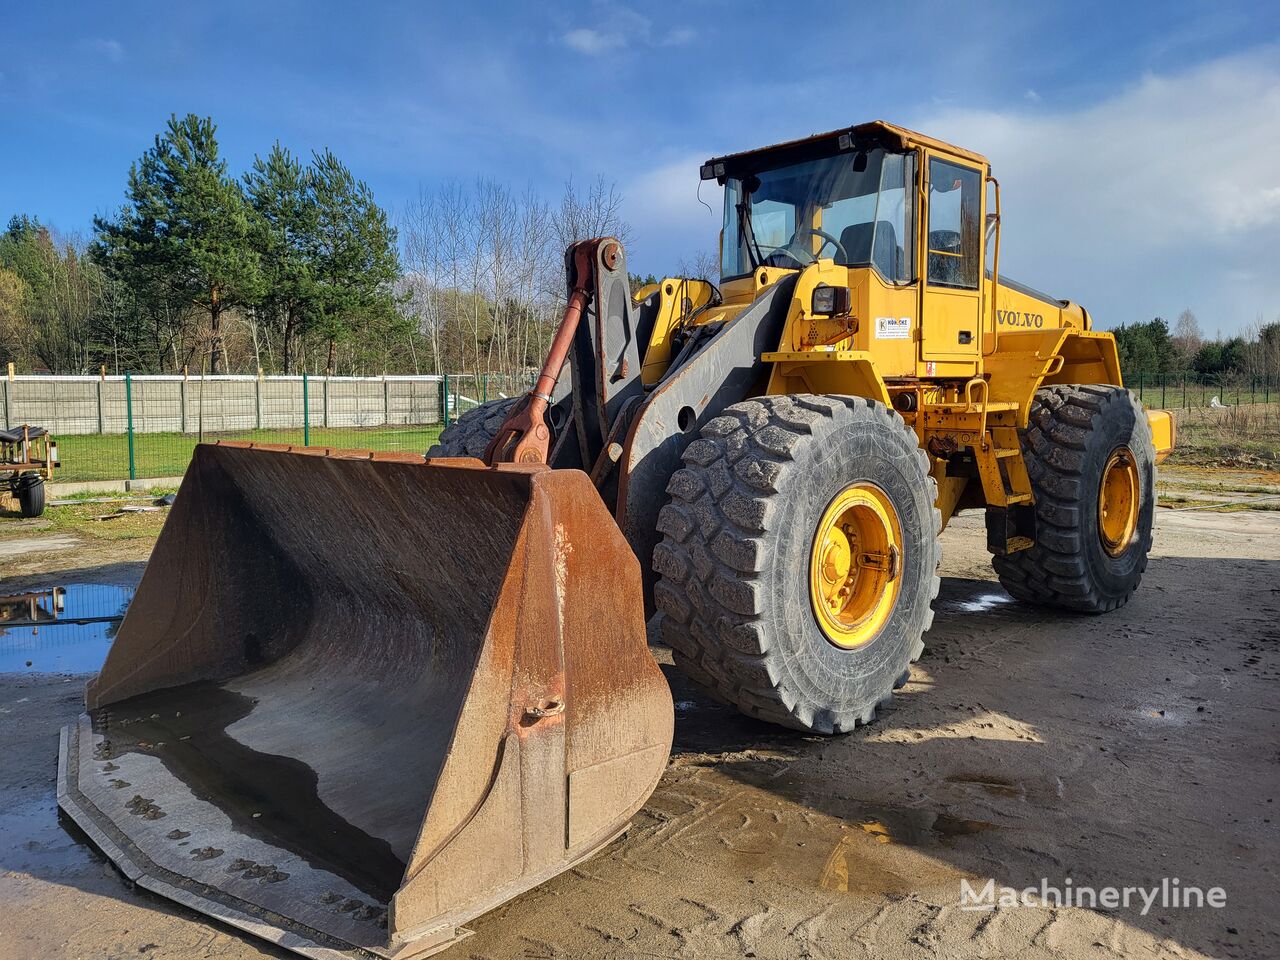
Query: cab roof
{"x":877,"y":132}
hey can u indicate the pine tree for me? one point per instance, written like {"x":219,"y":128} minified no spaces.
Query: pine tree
{"x":284,"y":231}
{"x":354,"y":255}
{"x":185,"y":227}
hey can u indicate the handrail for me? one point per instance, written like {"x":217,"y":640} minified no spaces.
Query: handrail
{"x":968,"y":394}
{"x":995,"y":275}
{"x":969,"y":408}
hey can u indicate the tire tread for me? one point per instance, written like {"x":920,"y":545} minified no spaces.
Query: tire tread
{"x":716,"y":618}
{"x":1055,"y":572}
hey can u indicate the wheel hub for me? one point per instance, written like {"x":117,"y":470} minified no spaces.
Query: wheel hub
{"x":1118,"y":500}
{"x":855,"y":564}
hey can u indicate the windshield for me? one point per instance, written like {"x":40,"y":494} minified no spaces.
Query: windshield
{"x":853,"y":208}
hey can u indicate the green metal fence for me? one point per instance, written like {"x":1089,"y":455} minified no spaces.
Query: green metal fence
{"x":463,"y":392}
{"x":145,"y":427}
{"x":1185,"y":391}
{"x":140,"y":427}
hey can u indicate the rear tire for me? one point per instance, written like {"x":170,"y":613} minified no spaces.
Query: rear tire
{"x":30,"y":489}
{"x":470,"y":434}
{"x":735,"y":562}
{"x":1074,"y":434}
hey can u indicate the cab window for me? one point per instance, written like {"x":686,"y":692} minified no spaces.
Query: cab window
{"x":774,"y":223}
{"x":954,"y":242}
{"x":874,"y":228}
{"x":854,"y":207}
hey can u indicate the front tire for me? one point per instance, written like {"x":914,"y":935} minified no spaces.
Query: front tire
{"x":745,"y":540}
{"x":1091,"y":462}
{"x":469,"y":435}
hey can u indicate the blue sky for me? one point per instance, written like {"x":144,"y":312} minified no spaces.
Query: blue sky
{"x":1137,"y":144}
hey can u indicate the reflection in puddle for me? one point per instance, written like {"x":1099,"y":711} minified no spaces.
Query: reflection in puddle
{"x":31,"y":840}
{"x":917,"y":828}
{"x":65,"y":629}
{"x":979,"y":604}
{"x":886,"y":823}
{"x":850,"y":868}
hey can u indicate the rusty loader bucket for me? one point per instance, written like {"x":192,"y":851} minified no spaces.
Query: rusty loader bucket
{"x":360,"y":699}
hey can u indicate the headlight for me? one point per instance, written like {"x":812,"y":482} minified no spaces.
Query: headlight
{"x":831,"y":301}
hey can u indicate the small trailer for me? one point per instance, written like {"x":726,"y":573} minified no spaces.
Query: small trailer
{"x":28,"y":457}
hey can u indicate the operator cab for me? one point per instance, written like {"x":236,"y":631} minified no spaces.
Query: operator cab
{"x":853,"y":197}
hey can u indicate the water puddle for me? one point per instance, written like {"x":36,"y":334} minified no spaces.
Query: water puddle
{"x":64,"y":629}
{"x":908,"y":826}
{"x":273,"y":798}
{"x":854,"y":867}
{"x":916,"y":828}
{"x":32,"y":841}
{"x":978,"y":604}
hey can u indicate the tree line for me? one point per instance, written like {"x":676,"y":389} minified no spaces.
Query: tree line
{"x":292,"y":266}
{"x":1152,"y":349}
{"x":201,"y":270}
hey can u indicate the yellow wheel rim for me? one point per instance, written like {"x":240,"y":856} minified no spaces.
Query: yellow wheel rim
{"x":855,"y":565}
{"x":1118,"y":499}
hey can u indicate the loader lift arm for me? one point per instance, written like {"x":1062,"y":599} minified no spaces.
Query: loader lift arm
{"x":599,"y":336}
{"x":629,"y":438}
{"x":525,"y":437}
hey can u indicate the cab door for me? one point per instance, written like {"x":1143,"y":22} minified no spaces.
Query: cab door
{"x":951,"y":296}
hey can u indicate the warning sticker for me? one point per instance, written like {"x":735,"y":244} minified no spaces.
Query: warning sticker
{"x":893,"y":328}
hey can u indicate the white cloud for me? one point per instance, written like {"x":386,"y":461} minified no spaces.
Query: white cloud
{"x":1160,"y":197}
{"x":592,"y":42}
{"x":626,"y":28}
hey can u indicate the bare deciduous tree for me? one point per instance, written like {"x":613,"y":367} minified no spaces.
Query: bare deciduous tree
{"x":1187,"y":335}
{"x":595,"y":213}
{"x":485,"y":272}
{"x":705,"y":265}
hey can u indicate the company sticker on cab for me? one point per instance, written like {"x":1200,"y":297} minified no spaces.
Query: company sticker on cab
{"x":893,"y":328}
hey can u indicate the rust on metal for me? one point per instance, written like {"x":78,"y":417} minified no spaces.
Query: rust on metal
{"x":401,"y":691}
{"x":525,"y":436}
{"x":609,"y":254}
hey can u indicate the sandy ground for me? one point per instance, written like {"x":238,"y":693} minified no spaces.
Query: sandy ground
{"x":1114,"y":750}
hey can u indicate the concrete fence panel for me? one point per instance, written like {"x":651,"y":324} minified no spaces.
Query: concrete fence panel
{"x":216,"y":404}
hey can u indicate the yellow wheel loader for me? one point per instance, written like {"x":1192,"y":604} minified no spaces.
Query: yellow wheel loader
{"x":360,"y":698}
